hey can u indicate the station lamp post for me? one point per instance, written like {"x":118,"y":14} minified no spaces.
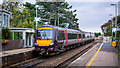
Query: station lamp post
{"x":115,"y":20}
{"x":36,"y":15}
{"x":112,"y":26}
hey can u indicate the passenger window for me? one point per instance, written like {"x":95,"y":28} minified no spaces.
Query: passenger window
{"x":72,"y":36}
{"x":60,"y":35}
{"x":83,"y":35}
{"x":79,"y":35}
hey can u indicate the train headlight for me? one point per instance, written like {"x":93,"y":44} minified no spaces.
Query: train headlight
{"x":36,"y":44}
{"x":51,"y":44}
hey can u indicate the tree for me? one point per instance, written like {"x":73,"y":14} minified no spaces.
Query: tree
{"x":6,"y":33}
{"x":21,"y":17}
{"x":10,"y":6}
{"x":107,"y":27}
{"x":97,"y":34}
{"x":50,"y":11}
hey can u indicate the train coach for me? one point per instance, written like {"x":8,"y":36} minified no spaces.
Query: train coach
{"x":50,"y":40}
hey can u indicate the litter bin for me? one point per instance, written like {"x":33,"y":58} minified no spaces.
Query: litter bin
{"x":113,"y":43}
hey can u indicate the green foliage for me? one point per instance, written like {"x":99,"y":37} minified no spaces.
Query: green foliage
{"x":10,"y":6}
{"x":18,"y":35}
{"x":97,"y":34}
{"x":6,"y":33}
{"x":52,"y":12}
{"x":118,"y":21}
{"x":22,"y":19}
{"x":107,"y":27}
{"x":119,"y":55}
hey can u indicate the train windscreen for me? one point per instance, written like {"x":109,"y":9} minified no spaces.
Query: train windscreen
{"x":44,"y":34}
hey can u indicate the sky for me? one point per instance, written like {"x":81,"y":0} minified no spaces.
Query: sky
{"x":91,"y":13}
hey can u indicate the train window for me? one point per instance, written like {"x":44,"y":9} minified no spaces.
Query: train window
{"x":44,"y":34}
{"x":61,"y":35}
{"x":69,"y":36}
{"x":72,"y":36}
{"x":87,"y":36}
{"x":79,"y":35}
{"x":83,"y":35}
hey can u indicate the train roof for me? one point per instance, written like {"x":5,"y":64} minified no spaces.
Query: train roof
{"x":63,"y":28}
{"x":57,"y":27}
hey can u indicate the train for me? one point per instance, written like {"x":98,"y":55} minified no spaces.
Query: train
{"x":52,"y":40}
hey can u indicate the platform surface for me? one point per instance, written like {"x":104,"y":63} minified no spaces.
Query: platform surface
{"x":15,"y":51}
{"x":102,"y":54}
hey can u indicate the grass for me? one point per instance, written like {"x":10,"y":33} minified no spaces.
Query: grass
{"x":116,"y":47}
{"x":119,"y":55}
{"x":110,"y":43}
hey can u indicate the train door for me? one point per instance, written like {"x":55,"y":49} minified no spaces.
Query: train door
{"x":60,"y":39}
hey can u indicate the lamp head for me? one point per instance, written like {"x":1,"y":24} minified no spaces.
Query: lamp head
{"x":37,"y":6}
{"x":113,"y":4}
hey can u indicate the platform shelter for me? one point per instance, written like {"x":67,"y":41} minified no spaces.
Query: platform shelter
{"x":26,"y":34}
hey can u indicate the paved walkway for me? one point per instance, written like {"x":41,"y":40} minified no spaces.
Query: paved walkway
{"x":15,"y":51}
{"x":102,"y":54}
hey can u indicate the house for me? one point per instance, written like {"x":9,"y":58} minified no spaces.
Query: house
{"x":4,"y":18}
{"x":26,"y":34}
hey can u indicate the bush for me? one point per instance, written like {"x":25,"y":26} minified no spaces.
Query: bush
{"x":6,"y":33}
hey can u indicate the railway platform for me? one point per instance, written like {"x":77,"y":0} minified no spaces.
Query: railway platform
{"x":11,"y":57}
{"x":15,"y":51}
{"x":101,"y":55}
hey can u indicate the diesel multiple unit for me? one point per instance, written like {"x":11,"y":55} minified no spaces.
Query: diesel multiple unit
{"x":51,"y":40}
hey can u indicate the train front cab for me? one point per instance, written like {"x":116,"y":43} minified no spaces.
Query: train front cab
{"x":44,"y":41}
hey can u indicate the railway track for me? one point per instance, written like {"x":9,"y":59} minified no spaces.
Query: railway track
{"x":61,"y":60}
{"x":70,"y":60}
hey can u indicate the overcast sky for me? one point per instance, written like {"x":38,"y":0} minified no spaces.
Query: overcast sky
{"x":91,"y":13}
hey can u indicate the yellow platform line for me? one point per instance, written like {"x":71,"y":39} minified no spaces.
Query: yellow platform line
{"x":94,"y":56}
{"x":83,"y":54}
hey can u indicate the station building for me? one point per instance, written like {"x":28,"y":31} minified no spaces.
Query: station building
{"x":4,"y":18}
{"x":26,"y":34}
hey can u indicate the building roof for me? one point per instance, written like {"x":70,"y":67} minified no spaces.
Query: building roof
{"x":28,"y":30}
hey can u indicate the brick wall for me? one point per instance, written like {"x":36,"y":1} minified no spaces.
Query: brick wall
{"x":13,"y":44}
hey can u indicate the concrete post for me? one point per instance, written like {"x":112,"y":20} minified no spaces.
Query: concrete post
{"x":2,"y":20}
{"x":31,"y":40}
{"x":24,"y":36}
{"x":28,"y":40}
{"x":8,"y":22}
{"x":13,"y":35}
